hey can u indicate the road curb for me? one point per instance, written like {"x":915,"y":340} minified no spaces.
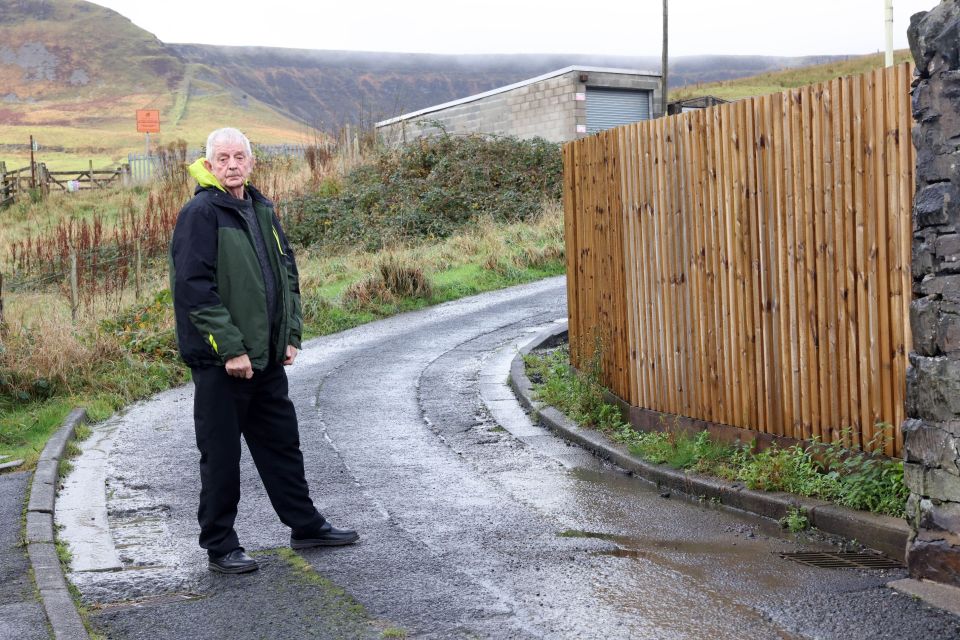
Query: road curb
{"x":885,"y":534}
{"x":61,"y":611}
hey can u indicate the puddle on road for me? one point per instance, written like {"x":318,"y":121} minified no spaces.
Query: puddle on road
{"x":622,"y":553}
{"x":674,"y":545}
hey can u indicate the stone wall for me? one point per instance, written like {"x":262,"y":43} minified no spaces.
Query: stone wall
{"x":548,"y":109}
{"x":932,"y":430}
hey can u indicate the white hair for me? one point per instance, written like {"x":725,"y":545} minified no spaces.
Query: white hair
{"x":227,"y":135}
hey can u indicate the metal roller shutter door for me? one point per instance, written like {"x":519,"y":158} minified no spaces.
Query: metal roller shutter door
{"x":608,"y":108}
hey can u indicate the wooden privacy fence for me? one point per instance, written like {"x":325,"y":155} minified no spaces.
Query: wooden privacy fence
{"x":748,"y":264}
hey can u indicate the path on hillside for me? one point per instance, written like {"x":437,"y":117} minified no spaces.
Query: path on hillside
{"x":474,"y":522}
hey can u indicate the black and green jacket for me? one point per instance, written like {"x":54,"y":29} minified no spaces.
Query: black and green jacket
{"x":219,"y":298}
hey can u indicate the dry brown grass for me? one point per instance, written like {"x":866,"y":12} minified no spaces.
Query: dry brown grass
{"x":403,"y":280}
{"x":394,"y":279}
{"x":47,"y":356}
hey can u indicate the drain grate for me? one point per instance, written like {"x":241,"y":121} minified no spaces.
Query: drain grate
{"x":843,"y":560}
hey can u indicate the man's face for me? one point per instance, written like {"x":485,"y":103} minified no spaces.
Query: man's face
{"x":231,"y":165}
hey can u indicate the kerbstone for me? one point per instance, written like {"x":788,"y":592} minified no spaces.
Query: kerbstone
{"x":39,"y":527}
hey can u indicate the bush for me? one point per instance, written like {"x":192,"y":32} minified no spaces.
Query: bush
{"x":430,"y":188}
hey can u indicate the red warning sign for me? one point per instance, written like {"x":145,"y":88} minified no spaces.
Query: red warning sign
{"x":148,"y":120}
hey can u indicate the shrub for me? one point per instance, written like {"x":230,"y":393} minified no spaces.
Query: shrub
{"x":429,"y":188}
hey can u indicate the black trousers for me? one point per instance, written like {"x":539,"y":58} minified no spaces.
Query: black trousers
{"x":225,"y":407}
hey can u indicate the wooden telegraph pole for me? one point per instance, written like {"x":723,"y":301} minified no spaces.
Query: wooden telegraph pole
{"x":663,"y":65}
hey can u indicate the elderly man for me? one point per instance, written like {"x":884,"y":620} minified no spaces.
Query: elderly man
{"x":236,"y":298}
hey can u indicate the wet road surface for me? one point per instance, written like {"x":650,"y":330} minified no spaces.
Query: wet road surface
{"x":474,"y":522}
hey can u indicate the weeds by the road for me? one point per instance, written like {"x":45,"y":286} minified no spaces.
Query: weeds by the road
{"x":850,"y":478}
{"x":795,"y":521}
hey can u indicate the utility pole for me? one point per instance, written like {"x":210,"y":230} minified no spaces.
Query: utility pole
{"x":889,"y":30}
{"x":663,"y":65}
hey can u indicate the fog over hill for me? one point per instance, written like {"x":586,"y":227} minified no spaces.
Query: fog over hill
{"x":330,"y":88}
{"x":81,"y":67}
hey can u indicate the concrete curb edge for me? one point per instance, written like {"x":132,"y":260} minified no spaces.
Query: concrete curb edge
{"x":57,"y":602}
{"x":885,"y":534}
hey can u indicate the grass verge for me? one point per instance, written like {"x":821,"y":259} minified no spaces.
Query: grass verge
{"x":826,"y":471}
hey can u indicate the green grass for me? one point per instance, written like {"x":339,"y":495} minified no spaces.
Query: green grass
{"x":777,"y":81}
{"x":850,"y":478}
{"x":25,"y":429}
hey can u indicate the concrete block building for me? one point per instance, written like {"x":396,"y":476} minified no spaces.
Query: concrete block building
{"x":559,"y":106}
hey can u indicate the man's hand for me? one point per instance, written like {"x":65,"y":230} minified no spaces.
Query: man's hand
{"x":240,"y":367}
{"x":291,"y":355}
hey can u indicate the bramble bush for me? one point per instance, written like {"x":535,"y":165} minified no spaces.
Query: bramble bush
{"x":429,"y":188}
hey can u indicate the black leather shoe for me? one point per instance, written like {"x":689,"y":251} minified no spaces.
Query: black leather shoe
{"x":234,"y":562}
{"x":325,"y":536}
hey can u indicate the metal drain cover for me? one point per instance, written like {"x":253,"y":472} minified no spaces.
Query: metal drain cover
{"x":843,"y":560}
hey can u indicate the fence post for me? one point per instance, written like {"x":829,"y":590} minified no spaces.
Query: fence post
{"x":33,"y":167}
{"x":74,"y":294}
{"x":138,"y":271}
{"x":44,"y":177}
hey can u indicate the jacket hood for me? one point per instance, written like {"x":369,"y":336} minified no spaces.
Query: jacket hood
{"x":203,"y":176}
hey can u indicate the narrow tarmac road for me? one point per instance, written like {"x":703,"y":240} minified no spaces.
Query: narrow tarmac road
{"x":475,"y":523}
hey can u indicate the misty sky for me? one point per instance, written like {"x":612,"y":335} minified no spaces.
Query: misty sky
{"x":616,"y":27}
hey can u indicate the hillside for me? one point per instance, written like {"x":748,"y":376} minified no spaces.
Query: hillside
{"x":777,"y":81}
{"x":330,"y":88}
{"x":73,"y":74}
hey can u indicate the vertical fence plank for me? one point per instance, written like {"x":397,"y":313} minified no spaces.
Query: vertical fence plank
{"x":726,"y":209}
{"x":881,"y":170}
{"x":751,"y":265}
{"x":768,"y":273}
{"x":849,"y":293}
{"x":715,"y":256}
{"x":904,"y":213}
{"x":860,"y":237}
{"x":871,"y":177}
{"x":819,"y":156}
{"x":840,"y":290}
{"x":571,"y":215}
